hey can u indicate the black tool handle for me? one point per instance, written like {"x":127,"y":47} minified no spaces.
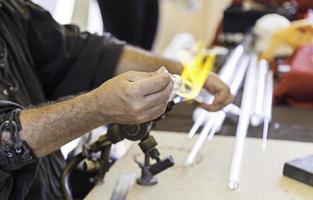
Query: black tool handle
{"x":162,"y":165}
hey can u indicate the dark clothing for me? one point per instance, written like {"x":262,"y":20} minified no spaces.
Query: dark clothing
{"x":134,"y":21}
{"x":41,"y":60}
{"x":18,"y":164}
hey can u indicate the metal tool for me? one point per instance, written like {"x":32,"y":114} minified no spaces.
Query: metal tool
{"x":100,"y":164}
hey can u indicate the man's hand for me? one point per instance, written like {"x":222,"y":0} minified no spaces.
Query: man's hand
{"x":140,"y":60}
{"x":221,"y":92}
{"x":134,"y":97}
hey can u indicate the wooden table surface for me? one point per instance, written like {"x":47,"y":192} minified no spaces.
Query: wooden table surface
{"x":261,"y":174}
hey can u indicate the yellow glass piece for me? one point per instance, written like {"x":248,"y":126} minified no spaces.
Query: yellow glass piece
{"x":196,"y":71}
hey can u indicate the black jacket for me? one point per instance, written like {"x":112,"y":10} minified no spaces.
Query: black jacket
{"x":41,"y":60}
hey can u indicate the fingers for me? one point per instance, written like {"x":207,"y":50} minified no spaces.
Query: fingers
{"x":215,"y":106}
{"x":134,"y":97}
{"x":221,"y":92}
{"x":146,"y":95}
{"x":153,"y":113}
{"x":146,"y":115}
{"x":153,"y":84}
{"x":223,"y":98}
{"x":159,"y":97}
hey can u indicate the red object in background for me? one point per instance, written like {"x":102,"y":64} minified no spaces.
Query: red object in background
{"x":296,"y":87}
{"x":303,"y":7}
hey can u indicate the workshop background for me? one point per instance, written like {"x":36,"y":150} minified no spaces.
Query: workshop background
{"x":86,"y":14}
{"x":224,"y":23}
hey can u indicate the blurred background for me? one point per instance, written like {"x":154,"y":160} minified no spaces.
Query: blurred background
{"x":275,"y":36}
{"x":175,"y":16}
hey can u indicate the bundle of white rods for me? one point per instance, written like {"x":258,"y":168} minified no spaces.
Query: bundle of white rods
{"x":214,"y":120}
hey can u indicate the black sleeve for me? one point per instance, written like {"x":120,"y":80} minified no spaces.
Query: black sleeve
{"x":69,"y":61}
{"x":16,"y":158}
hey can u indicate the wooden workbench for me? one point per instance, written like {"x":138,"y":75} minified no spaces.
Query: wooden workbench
{"x":261,"y":174}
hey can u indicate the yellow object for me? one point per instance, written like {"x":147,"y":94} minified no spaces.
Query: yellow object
{"x":196,"y":70}
{"x":299,"y":33}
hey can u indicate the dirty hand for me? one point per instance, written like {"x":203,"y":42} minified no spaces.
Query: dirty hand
{"x":134,"y":97}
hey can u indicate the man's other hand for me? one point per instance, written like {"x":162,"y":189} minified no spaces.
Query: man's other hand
{"x":220,"y":91}
{"x":134,"y":97}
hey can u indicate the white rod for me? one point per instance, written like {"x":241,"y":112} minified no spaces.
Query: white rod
{"x":225,"y":74}
{"x":217,"y":124}
{"x":240,"y":75}
{"x":257,"y":115}
{"x":196,"y":148}
{"x":64,"y":10}
{"x":268,"y":99}
{"x":243,"y":124}
{"x":203,"y":115}
{"x":197,"y":124}
{"x":235,"y":86}
{"x":229,"y":67}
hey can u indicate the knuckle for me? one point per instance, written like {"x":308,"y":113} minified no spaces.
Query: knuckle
{"x":135,"y":91}
{"x":129,"y":90}
{"x":158,"y":83}
{"x":162,"y":82}
{"x":126,"y":74}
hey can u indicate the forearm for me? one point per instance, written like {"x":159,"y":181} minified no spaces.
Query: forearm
{"x":47,"y":128}
{"x":135,"y":59}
